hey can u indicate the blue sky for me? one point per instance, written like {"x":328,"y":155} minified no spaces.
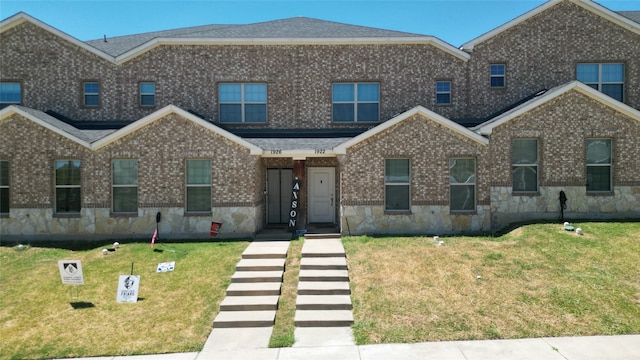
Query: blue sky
{"x":454,"y":21}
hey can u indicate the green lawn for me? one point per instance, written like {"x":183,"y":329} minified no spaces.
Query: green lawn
{"x":538,"y":280}
{"x":42,"y":318}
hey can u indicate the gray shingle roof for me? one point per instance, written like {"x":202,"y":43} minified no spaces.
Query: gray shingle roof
{"x":296,"y":28}
{"x":298,"y":143}
{"x":633,"y":15}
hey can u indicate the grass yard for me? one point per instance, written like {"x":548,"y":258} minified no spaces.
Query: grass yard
{"x":284,"y":328}
{"x":175,"y":312}
{"x":538,"y":280}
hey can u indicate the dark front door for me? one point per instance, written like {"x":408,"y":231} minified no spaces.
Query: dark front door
{"x":278,"y":195}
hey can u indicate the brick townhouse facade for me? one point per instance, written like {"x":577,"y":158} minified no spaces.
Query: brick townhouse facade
{"x":387,"y":132}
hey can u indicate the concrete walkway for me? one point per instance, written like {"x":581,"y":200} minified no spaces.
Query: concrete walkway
{"x":624,"y":347}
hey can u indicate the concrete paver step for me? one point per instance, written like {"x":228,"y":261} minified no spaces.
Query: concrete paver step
{"x":254,"y":289}
{"x":323,"y":288}
{"x":322,"y":236}
{"x":323,"y":275}
{"x":323,"y":248}
{"x":236,"y":319}
{"x":260,"y":264}
{"x":323,"y":302}
{"x":323,"y":318}
{"x":257,"y":276}
{"x":324,"y":263}
{"x":249,"y":303}
{"x":266,"y":250}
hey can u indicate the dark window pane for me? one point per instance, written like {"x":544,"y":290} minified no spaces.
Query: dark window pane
{"x":396,"y":170}
{"x":443,"y":86}
{"x":368,"y":92}
{"x":199,"y":198}
{"x":147,"y":100}
{"x":613,"y":90}
{"x":598,"y":178}
{"x":343,"y":92}
{"x":525,"y":178}
{"x":462,"y":198}
{"x":497,"y":70}
{"x":91,"y":100}
{"x":443,"y":99}
{"x":10,"y":93}
{"x":255,"y":113}
{"x":230,"y":93}
{"x":497,"y":82}
{"x":4,"y":173}
{"x":343,"y":112}
{"x":525,"y":151}
{"x":462,"y":171}
{"x":231,"y":113}
{"x":125,"y":172}
{"x":368,"y":112}
{"x":4,"y":200}
{"x":599,"y":151}
{"x":255,"y":93}
{"x":125,"y":199}
{"x":396,"y":197}
{"x":68,"y":200}
{"x":147,"y":88}
{"x":68,"y":172}
{"x":198,"y":172}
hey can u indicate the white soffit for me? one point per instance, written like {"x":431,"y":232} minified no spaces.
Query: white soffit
{"x":430,"y":115}
{"x":488,"y":127}
{"x":587,"y":4}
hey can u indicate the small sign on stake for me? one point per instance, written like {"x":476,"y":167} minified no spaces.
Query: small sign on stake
{"x":166,"y":266}
{"x":128,"y":288}
{"x":71,"y":272}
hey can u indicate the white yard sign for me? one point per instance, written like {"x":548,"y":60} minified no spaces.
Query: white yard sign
{"x":71,"y":272}
{"x":128,"y":288}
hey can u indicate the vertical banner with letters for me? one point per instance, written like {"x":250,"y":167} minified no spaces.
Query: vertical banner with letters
{"x":295,"y":205}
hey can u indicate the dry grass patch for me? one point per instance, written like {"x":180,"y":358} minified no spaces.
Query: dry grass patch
{"x":536,"y":281}
{"x":174,"y":313}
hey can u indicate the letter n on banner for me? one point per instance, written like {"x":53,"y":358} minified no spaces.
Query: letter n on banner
{"x":295,"y":205}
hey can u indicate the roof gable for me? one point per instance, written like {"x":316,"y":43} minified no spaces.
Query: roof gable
{"x":430,"y":115}
{"x":595,"y":8}
{"x":135,"y":126}
{"x":487,"y":127}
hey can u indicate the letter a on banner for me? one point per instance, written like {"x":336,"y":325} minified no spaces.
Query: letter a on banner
{"x":293,"y":214}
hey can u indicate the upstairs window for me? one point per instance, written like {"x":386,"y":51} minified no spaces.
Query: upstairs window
{"x":443,"y":92}
{"x":462,"y":184}
{"x":525,"y":165}
{"x":10,"y":94}
{"x":357,"y":102}
{"x":91,"y":94}
{"x":67,"y":186}
{"x":147,"y":94}
{"x":497,"y":75}
{"x":198,"y":185}
{"x":396,"y":184}
{"x":243,"y":103}
{"x":599,"y":165}
{"x":125,"y":186}
{"x":4,"y":187}
{"x":607,"y":78}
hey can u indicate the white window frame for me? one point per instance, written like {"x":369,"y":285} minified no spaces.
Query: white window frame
{"x":6,"y":186}
{"x":85,"y":94}
{"x":148,"y":94}
{"x":66,"y":186}
{"x":443,"y":92}
{"x":600,"y":82}
{"x":609,"y":165}
{"x":192,"y":186}
{"x":121,"y":186}
{"x":406,"y":184}
{"x":525,"y":165}
{"x":243,"y":103}
{"x":503,"y":76}
{"x":355,"y":102}
{"x":453,"y":185}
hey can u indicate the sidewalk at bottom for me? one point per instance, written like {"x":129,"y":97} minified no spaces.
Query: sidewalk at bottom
{"x":623,"y":347}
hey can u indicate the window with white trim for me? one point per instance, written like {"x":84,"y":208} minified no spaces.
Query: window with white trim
{"x":68,"y":192}
{"x":10,"y":94}
{"x":397,"y":184}
{"x":356,"y":102}
{"x":606,"y":78}
{"x":147,"y":94}
{"x":497,"y":73}
{"x":443,"y":92}
{"x":525,"y":165}
{"x":599,"y":164}
{"x":198,"y":185}
{"x":91,"y":93}
{"x":462,"y":184}
{"x":4,"y":187}
{"x":242,"y":103}
{"x":124,"y":175}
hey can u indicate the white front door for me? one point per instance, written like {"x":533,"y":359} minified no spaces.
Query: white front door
{"x":321,"y":195}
